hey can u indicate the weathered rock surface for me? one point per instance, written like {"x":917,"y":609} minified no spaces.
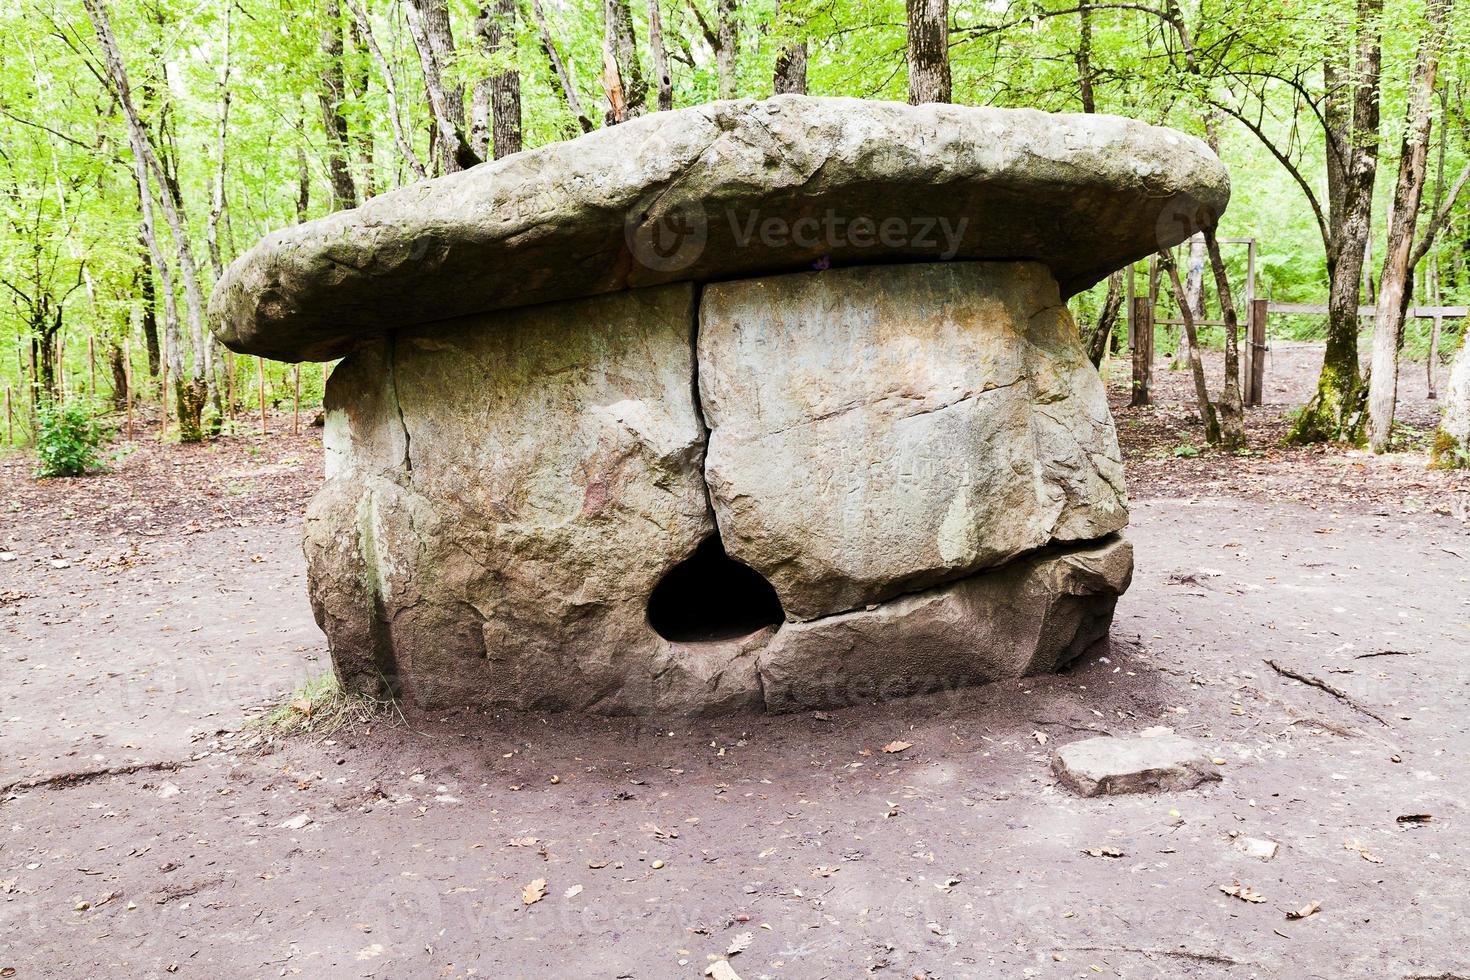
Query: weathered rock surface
{"x":502,"y":500}
{"x":1108,"y":766}
{"x":874,"y":431}
{"x":926,"y":474}
{"x":1033,"y":616}
{"x":687,"y":195}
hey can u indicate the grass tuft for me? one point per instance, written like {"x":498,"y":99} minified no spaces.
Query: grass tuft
{"x":320,"y":707}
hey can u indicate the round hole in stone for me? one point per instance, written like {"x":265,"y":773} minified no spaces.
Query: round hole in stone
{"x":711,"y":596}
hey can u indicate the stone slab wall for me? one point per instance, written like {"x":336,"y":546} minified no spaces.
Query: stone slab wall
{"x":919,"y":458}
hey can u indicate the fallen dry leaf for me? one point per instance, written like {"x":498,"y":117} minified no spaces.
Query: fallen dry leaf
{"x":822,"y":871}
{"x":1414,"y":818}
{"x":534,"y":892}
{"x":573,"y":891}
{"x":1363,"y":851}
{"x":523,"y":842}
{"x":1104,"y":852}
{"x":1305,"y":912}
{"x":740,"y":944}
{"x":896,"y":747}
{"x":1243,"y":892}
{"x":721,"y":970}
{"x":1040,"y":737}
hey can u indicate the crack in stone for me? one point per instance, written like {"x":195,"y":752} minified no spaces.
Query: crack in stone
{"x":392,"y":358}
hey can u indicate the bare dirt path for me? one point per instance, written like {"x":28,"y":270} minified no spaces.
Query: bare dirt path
{"x":403,"y":849}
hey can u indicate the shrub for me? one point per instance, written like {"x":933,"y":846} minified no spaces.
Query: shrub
{"x":68,"y":436}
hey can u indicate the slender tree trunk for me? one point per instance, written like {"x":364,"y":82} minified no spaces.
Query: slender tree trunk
{"x":1107,"y":319}
{"x":143,"y":276}
{"x":1196,"y":365}
{"x":390,"y":88}
{"x":1452,"y":441}
{"x":627,"y":92}
{"x":303,"y":184}
{"x":190,"y":391}
{"x":660,"y":57}
{"x":217,"y":200}
{"x":1084,"y":60}
{"x":1231,"y":407}
{"x":499,"y":93}
{"x":1352,"y":166}
{"x":363,"y":138}
{"x":428,"y":22}
{"x":928,"y":51}
{"x":560,"y":69}
{"x":1395,"y":284}
{"x":728,"y":53}
{"x":332,"y":94}
{"x":119,"y":372}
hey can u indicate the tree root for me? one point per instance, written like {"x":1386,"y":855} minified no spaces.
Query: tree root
{"x":68,"y":779}
{"x":1182,"y":954}
{"x":1322,"y":685}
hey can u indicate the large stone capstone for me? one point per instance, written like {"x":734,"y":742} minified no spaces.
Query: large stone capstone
{"x":721,"y":190}
{"x":583,"y":455}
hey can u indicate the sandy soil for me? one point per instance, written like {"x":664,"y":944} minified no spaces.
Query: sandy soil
{"x":150,"y":833}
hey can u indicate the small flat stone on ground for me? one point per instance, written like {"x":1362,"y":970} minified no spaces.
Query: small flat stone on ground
{"x":1261,"y":850}
{"x":1108,"y":766}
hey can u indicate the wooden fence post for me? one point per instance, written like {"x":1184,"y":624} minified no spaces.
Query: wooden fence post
{"x":1143,"y":351}
{"x":1256,"y":359}
{"x":1433,"y":354}
{"x":260,"y":372}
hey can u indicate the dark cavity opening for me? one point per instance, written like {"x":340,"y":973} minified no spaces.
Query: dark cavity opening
{"x":711,"y":596}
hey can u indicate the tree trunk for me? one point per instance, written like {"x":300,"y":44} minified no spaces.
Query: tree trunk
{"x":332,"y":94}
{"x":1084,"y":60}
{"x":1452,"y":441}
{"x":728,"y":53}
{"x":303,"y":184}
{"x":1196,"y":366}
{"x":627,"y":92}
{"x":928,"y":51}
{"x":1395,"y":284}
{"x":498,"y":93}
{"x":390,"y":88}
{"x":428,"y":22}
{"x":119,"y":373}
{"x":560,"y":69}
{"x":660,"y":57}
{"x":1352,"y":166}
{"x":790,"y":75}
{"x":1231,"y":411}
{"x":146,"y":162}
{"x":1107,"y":319}
{"x":363,"y":136}
{"x":791,"y":69}
{"x":143,"y":277}
{"x":217,"y":201}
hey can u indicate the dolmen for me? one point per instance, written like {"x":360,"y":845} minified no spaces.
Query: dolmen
{"x":759,"y":404}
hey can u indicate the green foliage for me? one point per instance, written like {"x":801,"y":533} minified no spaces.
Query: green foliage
{"x":68,"y":437}
{"x":1186,"y":451}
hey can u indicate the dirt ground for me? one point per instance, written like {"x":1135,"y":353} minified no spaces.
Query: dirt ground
{"x":150,"y":831}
